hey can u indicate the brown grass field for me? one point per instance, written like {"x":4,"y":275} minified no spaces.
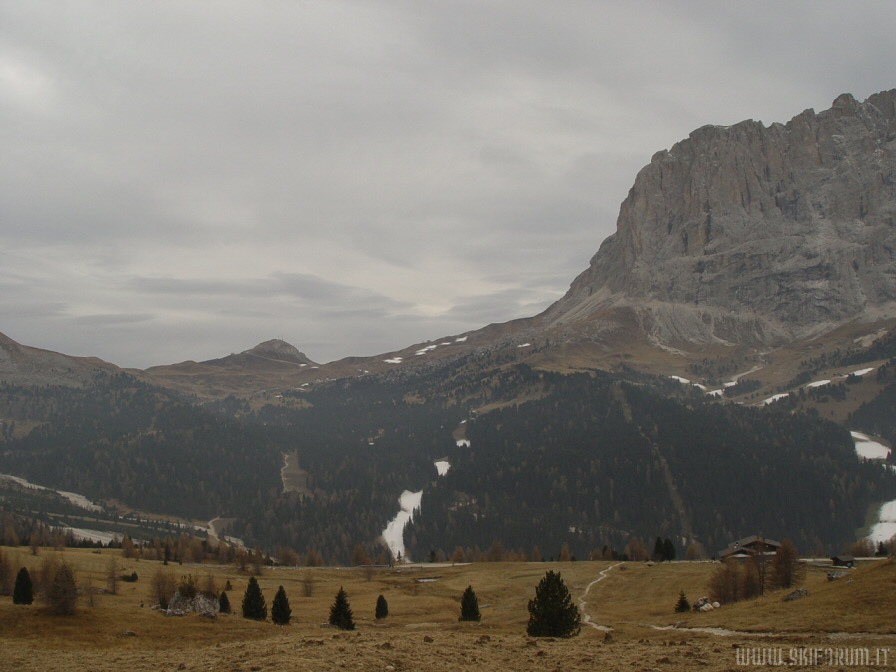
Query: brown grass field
{"x":849,"y":623}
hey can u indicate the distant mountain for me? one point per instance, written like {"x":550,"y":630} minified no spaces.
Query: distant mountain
{"x":24,"y":365}
{"x":752,"y":235}
{"x":274,"y":363}
{"x":274,"y":353}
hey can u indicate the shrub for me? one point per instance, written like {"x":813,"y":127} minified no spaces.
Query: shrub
{"x":552,"y":613}
{"x":341,"y":612}
{"x":280,"y":611}
{"x":162,"y":587}
{"x":469,"y":606}
{"x":187,"y":587}
{"x":682,"y":606}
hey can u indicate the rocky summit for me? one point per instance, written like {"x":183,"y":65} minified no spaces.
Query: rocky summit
{"x":754,"y":235}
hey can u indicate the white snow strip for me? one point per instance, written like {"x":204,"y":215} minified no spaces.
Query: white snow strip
{"x":716,"y":393}
{"x":819,"y":383}
{"x":525,"y":345}
{"x":428,"y":348}
{"x":775,"y":398}
{"x":862,"y":372}
{"x":681,"y":380}
{"x":78,"y":500}
{"x":463,"y":443}
{"x":868,"y":448}
{"x":93,"y":535}
{"x":460,"y":339}
{"x":394,"y":360}
{"x":885,"y":528}
{"x":394,"y":532}
{"x":442,"y":466}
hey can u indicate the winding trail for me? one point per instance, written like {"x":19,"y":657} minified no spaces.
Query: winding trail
{"x":717,"y":631}
{"x":582,"y":603}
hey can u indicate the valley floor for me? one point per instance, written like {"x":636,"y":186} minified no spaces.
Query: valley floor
{"x":839,"y":625}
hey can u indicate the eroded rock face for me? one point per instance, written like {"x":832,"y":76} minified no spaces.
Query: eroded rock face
{"x":756,"y":234}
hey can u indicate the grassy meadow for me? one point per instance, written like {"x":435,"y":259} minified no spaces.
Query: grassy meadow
{"x":634,"y":600}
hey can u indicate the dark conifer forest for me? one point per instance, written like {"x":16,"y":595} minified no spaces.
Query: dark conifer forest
{"x":569,"y":463}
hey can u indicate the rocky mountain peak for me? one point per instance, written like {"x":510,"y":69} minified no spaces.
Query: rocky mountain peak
{"x":278,"y":350}
{"x":748,"y":233}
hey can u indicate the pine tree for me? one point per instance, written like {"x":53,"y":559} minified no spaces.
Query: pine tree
{"x":382,"y":607}
{"x":469,"y":606}
{"x":224,"y":603}
{"x":23,"y":593}
{"x":341,"y":612}
{"x":254,"y":606}
{"x":682,"y":606}
{"x":552,"y":612}
{"x":280,"y":611}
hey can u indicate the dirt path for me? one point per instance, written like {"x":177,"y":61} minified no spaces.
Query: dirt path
{"x":583,"y":603}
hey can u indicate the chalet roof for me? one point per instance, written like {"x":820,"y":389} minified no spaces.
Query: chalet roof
{"x":748,"y":546}
{"x":752,"y":539}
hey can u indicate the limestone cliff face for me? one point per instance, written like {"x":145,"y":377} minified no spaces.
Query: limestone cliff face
{"x":756,"y":234}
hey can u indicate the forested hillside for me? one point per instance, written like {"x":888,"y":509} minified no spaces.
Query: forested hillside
{"x":596,"y":461}
{"x":123,"y":440}
{"x":589,"y":460}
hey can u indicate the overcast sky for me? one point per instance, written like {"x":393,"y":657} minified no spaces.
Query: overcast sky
{"x":182,"y":180}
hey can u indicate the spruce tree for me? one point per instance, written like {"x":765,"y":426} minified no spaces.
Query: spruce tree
{"x":341,"y":612}
{"x":224,"y":603}
{"x":254,"y":606}
{"x":23,"y":593}
{"x":382,"y":608}
{"x":682,"y":606}
{"x":552,"y":612}
{"x":280,"y":611}
{"x":469,"y":606}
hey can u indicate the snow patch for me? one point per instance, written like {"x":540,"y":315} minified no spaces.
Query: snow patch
{"x":463,"y":443}
{"x":442,"y":466}
{"x":460,"y":339}
{"x":775,"y":398}
{"x":819,"y":383}
{"x":394,"y":360}
{"x":868,"y":448}
{"x":862,"y":372}
{"x":74,"y":498}
{"x":885,"y":528}
{"x":394,"y":532}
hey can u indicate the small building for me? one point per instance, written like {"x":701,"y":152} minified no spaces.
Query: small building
{"x":750,"y":547}
{"x":843,"y":561}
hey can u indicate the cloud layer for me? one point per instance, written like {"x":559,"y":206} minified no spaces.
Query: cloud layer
{"x":183,"y":180}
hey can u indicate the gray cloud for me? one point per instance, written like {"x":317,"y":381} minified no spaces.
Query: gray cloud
{"x":187,"y":179}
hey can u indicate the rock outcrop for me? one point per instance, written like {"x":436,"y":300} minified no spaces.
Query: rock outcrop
{"x":755,"y":234}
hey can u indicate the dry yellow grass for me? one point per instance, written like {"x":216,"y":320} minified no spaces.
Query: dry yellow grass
{"x":422,"y":631}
